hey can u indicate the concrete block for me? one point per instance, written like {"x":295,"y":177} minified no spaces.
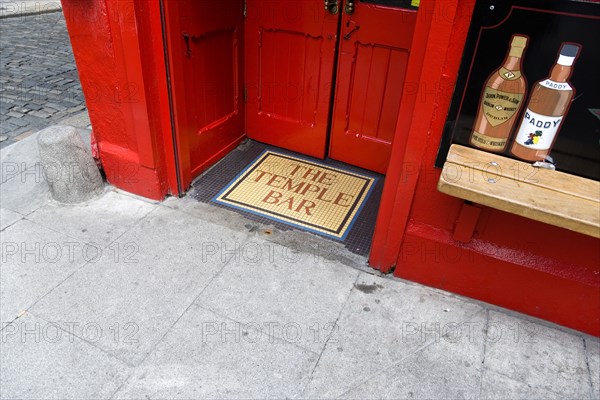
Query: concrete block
{"x":71,"y":171}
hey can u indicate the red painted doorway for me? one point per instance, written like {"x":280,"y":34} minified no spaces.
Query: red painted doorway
{"x":325,"y":78}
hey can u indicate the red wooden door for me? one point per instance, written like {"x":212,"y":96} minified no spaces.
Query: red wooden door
{"x":290,"y":48}
{"x":205,"y":50}
{"x":373,"y":55}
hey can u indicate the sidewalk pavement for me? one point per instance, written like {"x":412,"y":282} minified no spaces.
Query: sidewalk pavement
{"x":126,"y":298}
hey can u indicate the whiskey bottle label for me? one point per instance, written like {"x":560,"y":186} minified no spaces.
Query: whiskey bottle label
{"x":537,"y":131}
{"x":499,"y":106}
{"x":488,"y":142}
{"x":556,"y":85}
{"x":509,"y":75}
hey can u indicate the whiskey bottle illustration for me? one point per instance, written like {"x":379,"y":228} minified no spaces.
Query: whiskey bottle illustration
{"x":549,"y":102}
{"x":501,"y":100}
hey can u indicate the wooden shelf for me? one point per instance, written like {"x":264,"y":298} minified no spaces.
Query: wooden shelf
{"x":553,"y":197}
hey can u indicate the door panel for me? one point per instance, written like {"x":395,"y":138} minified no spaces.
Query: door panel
{"x":373,"y":56}
{"x":205,"y":40}
{"x":290,"y":47}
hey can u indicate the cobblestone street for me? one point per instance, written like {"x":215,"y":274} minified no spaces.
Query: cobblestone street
{"x":39,"y":85}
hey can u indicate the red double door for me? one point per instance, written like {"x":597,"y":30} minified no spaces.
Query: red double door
{"x":325,"y":78}
{"x":319,"y":77}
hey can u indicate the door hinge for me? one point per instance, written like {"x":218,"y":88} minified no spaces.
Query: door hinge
{"x":245,"y":94}
{"x":245,"y":12}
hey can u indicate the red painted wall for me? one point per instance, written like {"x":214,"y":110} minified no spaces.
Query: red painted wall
{"x":514,"y":262}
{"x":118,"y":50}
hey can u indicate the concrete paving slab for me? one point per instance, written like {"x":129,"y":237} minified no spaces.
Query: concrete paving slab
{"x":19,"y":157}
{"x":592,"y":348}
{"x":206,"y":356}
{"x":207,"y":212}
{"x":39,"y":360}
{"x":80,"y":120}
{"x":98,"y":221}
{"x":500,"y":387}
{"x":158,"y":272}
{"x":34,"y":260}
{"x":24,"y":193}
{"x":384,"y":330}
{"x":442,"y":370}
{"x":7,"y":218}
{"x":328,"y":250}
{"x":540,"y":356}
{"x":135,"y":196}
{"x":293,"y":293}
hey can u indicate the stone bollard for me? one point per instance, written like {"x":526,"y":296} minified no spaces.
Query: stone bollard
{"x":68,"y":165}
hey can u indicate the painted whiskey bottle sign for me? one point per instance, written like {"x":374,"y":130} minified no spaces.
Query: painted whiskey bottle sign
{"x":546,"y":109}
{"x":501,"y":100}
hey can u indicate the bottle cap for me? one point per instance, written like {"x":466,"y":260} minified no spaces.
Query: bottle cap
{"x":517,"y":45}
{"x":519,"y":41}
{"x":568,"y":53}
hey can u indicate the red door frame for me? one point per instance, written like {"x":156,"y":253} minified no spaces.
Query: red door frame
{"x":437,"y":22}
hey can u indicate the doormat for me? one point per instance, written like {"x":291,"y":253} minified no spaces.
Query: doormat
{"x":306,"y":194}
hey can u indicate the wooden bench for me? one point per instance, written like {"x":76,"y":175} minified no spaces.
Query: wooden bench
{"x":553,"y":197}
